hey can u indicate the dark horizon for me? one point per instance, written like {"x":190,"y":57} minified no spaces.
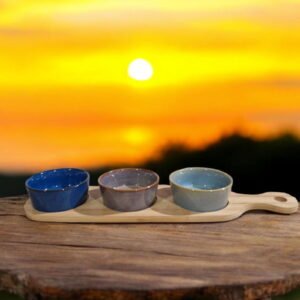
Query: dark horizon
{"x":256,"y":165}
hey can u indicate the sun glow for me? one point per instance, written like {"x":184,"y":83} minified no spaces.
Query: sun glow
{"x":137,"y":136}
{"x":140,"y":69}
{"x":111,"y":82}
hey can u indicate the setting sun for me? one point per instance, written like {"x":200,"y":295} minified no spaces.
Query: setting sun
{"x":140,"y":69}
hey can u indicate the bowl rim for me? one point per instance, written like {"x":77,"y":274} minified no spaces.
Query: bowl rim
{"x":202,"y":169}
{"x":86,"y":180}
{"x":133,"y":189}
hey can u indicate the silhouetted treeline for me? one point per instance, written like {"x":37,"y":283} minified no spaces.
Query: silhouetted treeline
{"x":256,"y":166}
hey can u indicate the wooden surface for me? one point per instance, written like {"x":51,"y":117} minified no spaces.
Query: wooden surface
{"x":254,"y":257}
{"x":164,"y":210}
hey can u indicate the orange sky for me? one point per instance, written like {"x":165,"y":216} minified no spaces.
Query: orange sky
{"x":66,"y":98}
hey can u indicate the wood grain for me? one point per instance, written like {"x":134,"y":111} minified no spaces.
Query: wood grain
{"x":254,"y":257}
{"x":164,"y":210}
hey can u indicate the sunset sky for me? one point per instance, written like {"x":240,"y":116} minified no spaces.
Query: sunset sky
{"x":66,"y":98}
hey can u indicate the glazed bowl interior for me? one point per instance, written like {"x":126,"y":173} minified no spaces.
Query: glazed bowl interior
{"x":128,"y":179}
{"x":59,"y":179}
{"x":201,"y":179}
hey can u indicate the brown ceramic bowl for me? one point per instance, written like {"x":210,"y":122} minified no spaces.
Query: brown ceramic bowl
{"x":128,"y":189}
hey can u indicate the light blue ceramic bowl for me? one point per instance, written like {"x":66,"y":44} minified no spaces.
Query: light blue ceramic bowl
{"x":201,"y":189}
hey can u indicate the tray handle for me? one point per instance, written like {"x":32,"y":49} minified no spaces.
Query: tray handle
{"x":271,"y":201}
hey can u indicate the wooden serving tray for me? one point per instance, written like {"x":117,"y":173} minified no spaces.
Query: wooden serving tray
{"x":164,"y":210}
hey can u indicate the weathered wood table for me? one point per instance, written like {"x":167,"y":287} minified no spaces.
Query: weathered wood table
{"x":254,"y":257}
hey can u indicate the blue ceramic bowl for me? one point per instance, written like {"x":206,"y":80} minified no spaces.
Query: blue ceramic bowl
{"x":128,"y":189}
{"x":58,"y":190}
{"x":201,"y":189}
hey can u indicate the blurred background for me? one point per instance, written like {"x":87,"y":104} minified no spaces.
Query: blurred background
{"x":159,"y":84}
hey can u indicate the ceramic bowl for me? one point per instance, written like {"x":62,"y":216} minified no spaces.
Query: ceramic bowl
{"x":201,"y":189}
{"x":58,"y":190}
{"x":128,"y":189}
